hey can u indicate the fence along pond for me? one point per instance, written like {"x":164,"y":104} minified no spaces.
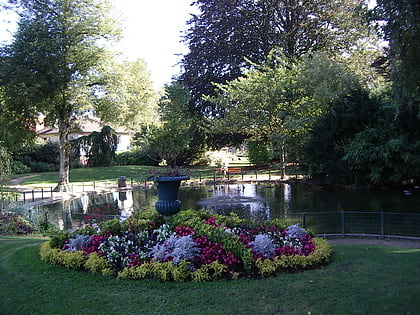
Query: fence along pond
{"x":322,"y":211}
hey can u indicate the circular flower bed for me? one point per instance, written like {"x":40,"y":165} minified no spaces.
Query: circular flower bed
{"x":189,"y":246}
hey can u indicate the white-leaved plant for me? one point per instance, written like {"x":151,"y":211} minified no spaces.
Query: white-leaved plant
{"x":263,"y":245}
{"x":176,"y":248}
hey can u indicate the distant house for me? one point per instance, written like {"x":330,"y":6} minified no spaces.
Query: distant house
{"x":85,"y":125}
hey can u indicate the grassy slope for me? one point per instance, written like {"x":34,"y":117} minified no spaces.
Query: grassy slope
{"x":361,"y":279}
{"x":138,"y":173}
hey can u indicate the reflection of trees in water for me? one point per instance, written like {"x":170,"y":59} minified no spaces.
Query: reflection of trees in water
{"x":258,"y":212}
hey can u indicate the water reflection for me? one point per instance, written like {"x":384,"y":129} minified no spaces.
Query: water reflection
{"x":242,"y":199}
{"x":260,"y":202}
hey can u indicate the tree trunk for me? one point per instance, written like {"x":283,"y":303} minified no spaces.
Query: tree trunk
{"x":282,"y":161}
{"x":63,"y":176}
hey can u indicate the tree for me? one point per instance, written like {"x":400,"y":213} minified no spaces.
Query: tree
{"x":227,"y":33}
{"x":401,"y":28}
{"x":98,"y":147}
{"x":332,"y":134}
{"x":171,"y":141}
{"x":278,"y":105}
{"x":128,"y":96}
{"x":52,"y":65}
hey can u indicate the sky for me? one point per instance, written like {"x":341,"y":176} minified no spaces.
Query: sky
{"x":152,"y":31}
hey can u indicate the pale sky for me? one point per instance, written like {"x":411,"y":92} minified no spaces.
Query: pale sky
{"x":152,"y":32}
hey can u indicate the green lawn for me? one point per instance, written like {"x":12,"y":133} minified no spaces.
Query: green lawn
{"x":360,"y":280}
{"x":79,"y":175}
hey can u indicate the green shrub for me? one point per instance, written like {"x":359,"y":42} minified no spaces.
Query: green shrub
{"x":49,"y":254}
{"x":72,"y":260}
{"x":12,"y":223}
{"x":320,"y":256}
{"x":58,"y":238}
{"x":19,"y":168}
{"x":97,"y":264}
{"x":114,"y":226}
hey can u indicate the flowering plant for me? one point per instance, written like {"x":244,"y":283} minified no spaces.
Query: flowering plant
{"x":169,"y":172}
{"x":197,"y":246}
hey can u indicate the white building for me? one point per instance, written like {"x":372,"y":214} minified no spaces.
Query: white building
{"x":85,"y":125}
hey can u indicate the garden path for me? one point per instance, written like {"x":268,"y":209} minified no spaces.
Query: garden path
{"x":395,"y":242}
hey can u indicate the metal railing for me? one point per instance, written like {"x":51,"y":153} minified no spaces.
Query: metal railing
{"x":41,"y":193}
{"x":357,"y":223}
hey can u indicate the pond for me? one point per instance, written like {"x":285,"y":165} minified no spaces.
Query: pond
{"x":258,"y":201}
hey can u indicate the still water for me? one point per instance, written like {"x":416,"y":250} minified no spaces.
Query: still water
{"x":264,"y":201}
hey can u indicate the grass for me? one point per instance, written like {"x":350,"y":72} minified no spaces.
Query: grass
{"x":79,"y":175}
{"x":360,"y":280}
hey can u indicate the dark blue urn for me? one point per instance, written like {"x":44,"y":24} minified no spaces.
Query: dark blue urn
{"x":168,"y":189}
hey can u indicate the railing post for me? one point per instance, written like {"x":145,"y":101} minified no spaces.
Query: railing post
{"x":343,"y":223}
{"x":33,"y":195}
{"x":42,"y":193}
{"x":382,"y":224}
{"x":51,"y":189}
{"x":304,"y":220}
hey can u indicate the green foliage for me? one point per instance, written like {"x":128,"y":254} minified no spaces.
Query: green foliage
{"x":383,"y":156}
{"x":72,"y":260}
{"x":128,"y":97}
{"x":258,"y":152}
{"x":399,"y":21}
{"x":114,"y":226}
{"x":134,"y":157}
{"x":324,"y":153}
{"x":320,"y":256}
{"x":97,"y":264}
{"x":12,"y":223}
{"x":224,"y":35}
{"x":58,"y":238}
{"x":172,"y":141}
{"x":99,"y":147}
{"x":19,"y":168}
{"x":61,"y":76}
{"x":5,"y":163}
{"x":49,"y":254}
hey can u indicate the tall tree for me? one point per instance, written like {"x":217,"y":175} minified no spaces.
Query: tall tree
{"x":128,"y":98}
{"x":278,"y":105}
{"x":401,"y":28}
{"x":52,"y":64}
{"x":226,"y":33}
{"x":171,"y":140}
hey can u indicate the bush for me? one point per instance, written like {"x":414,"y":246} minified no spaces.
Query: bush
{"x":19,"y":168}
{"x":12,"y":223}
{"x":135,"y":157}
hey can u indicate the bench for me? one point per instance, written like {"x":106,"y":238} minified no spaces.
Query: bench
{"x":229,"y":171}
